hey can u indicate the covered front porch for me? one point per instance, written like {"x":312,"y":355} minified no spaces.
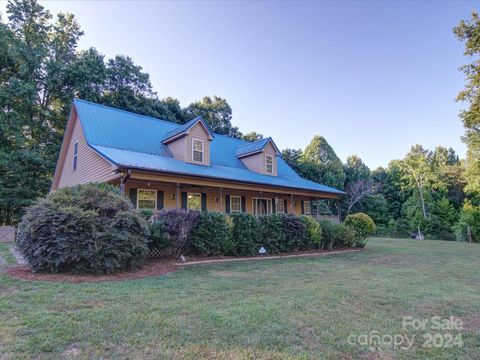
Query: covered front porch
{"x":163,"y":191}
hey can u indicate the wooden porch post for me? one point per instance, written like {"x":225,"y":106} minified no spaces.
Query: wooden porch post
{"x":177,"y":197}
{"x":221,"y":199}
{"x":291,"y":203}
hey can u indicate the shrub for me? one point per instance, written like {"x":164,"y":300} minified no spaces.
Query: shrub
{"x":159,"y":240}
{"x":146,"y":214}
{"x":363,"y":227}
{"x":313,"y":239}
{"x":177,"y":225}
{"x":295,"y":232}
{"x":344,"y":236}
{"x":271,"y":233}
{"x":328,"y":235}
{"x":211,"y":234}
{"x":245,"y":237}
{"x":83,"y":229}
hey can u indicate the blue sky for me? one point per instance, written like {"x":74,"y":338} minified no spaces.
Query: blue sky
{"x":373,"y":78}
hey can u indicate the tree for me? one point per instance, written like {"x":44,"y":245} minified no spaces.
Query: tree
{"x":216,"y":112}
{"x":355,"y":169}
{"x":469,"y":32}
{"x":418,"y":173}
{"x":252,"y":136}
{"x":324,"y":165}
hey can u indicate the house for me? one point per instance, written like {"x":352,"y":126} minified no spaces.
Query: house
{"x":160,"y":164}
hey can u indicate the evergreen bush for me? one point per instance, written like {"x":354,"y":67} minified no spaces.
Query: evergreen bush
{"x":87,"y":228}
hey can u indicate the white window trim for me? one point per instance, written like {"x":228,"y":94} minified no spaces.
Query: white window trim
{"x":203,"y":151}
{"x":240,"y":200}
{"x":309,"y":205}
{"x":278,"y":201}
{"x":75,"y":156}
{"x":266,"y":163}
{"x":138,"y":197}
{"x":268,"y":200}
{"x":199,"y":195}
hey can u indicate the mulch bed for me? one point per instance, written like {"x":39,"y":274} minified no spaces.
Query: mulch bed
{"x":152,"y":267}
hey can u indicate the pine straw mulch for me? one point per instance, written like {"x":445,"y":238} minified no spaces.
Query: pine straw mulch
{"x":155,"y":267}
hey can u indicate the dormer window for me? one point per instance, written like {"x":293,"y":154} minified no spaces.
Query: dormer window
{"x":269,"y":164}
{"x":197,"y":149}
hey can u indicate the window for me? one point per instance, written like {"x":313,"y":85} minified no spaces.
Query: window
{"x":75,"y":155}
{"x":235,"y":204}
{"x":280,"y":206}
{"x":194,"y":201}
{"x":146,"y":199}
{"x":262,"y":206}
{"x":269,"y":164}
{"x":307,"y":210}
{"x":197,"y":148}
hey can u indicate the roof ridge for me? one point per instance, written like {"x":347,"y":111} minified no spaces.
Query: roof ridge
{"x":127,"y":112}
{"x":256,"y":141}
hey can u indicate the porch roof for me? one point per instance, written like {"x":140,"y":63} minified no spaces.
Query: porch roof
{"x":132,"y":159}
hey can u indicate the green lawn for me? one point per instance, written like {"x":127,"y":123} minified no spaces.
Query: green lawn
{"x":277,"y":309}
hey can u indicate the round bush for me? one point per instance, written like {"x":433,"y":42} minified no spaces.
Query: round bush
{"x":362,"y":226}
{"x":210,"y":235}
{"x":83,"y":229}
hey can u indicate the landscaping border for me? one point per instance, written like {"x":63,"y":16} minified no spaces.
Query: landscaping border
{"x":153,"y":267}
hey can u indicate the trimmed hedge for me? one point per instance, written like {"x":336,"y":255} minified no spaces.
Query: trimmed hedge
{"x":83,"y":229}
{"x":211,"y":234}
{"x":242,"y":234}
{"x":245,"y":235}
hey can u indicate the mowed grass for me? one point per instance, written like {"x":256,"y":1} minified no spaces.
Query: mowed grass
{"x":301,"y":308}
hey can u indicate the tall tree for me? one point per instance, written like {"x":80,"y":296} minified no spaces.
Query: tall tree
{"x":327,"y":167}
{"x":216,"y":112}
{"x":469,"y":32}
{"x":418,"y":174}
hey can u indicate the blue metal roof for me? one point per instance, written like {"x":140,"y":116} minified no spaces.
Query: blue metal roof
{"x":184,"y":128}
{"x":132,"y":140}
{"x":255,"y":146}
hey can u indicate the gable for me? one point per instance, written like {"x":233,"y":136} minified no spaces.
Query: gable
{"x":91,"y":167}
{"x":257,"y":161}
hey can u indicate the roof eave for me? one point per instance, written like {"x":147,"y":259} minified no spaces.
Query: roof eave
{"x":125,"y":167}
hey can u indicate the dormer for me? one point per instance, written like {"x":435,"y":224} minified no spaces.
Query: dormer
{"x":190,"y":142}
{"x":259,"y":156}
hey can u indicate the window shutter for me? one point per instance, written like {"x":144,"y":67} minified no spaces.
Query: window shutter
{"x":244,"y":207}
{"x":159,"y":200}
{"x":274,"y":206}
{"x":204,"y":202}
{"x":285,"y":208}
{"x":303,"y":208}
{"x":227,"y":204}
{"x":313,"y":210}
{"x":133,"y":197}
{"x":184,"y":200}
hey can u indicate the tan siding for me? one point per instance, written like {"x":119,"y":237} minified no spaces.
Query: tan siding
{"x":178,"y":148}
{"x":226,"y":185}
{"x":198,"y":132}
{"x":257,"y":162}
{"x":215,"y":201}
{"x":91,"y":167}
